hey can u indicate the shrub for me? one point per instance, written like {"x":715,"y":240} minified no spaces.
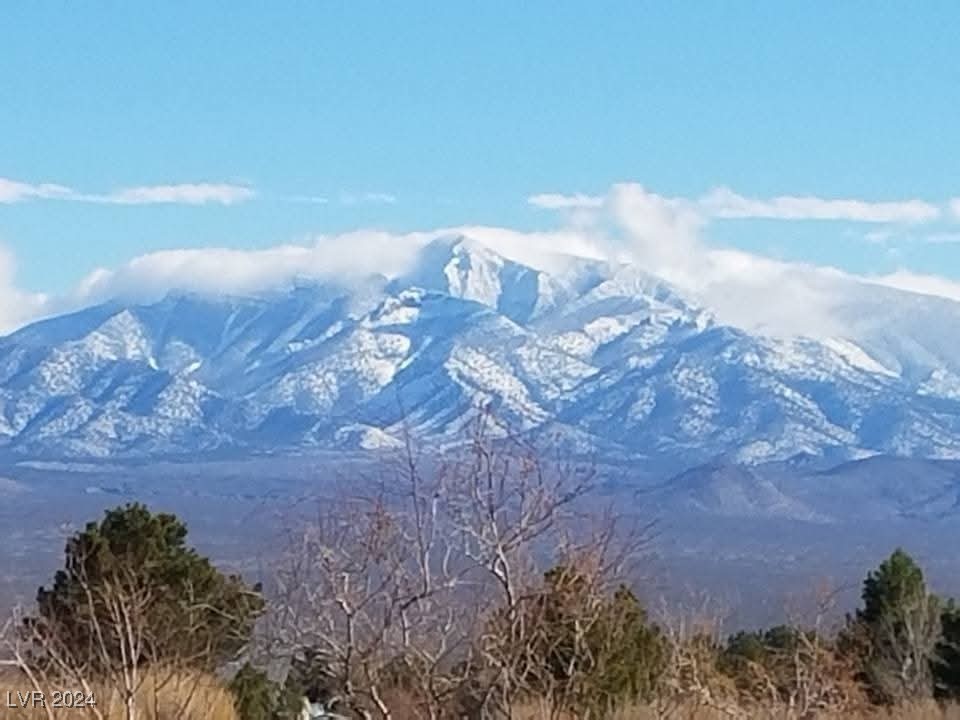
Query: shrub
{"x":255,"y":696}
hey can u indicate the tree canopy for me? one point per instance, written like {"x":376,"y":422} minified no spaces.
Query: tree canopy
{"x":900,"y":623}
{"x":133,"y":572}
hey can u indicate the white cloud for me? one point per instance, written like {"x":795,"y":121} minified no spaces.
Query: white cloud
{"x":663,"y":231}
{"x":229,"y":271}
{"x":941,"y":238}
{"x":662,"y":234}
{"x":348,"y":199}
{"x":955,"y":208}
{"x":770,"y":296}
{"x":547,"y":250}
{"x":557,"y":201}
{"x":17,"y":306}
{"x":877,"y":237}
{"x":12,"y":191}
{"x":182,"y":194}
{"x":895,"y":239}
{"x":743,"y":289}
{"x":631,"y":224}
{"x":919,"y":283}
{"x":309,"y":199}
{"x":199,"y":193}
{"x":723,"y":202}
{"x":343,"y":256}
{"x":368,"y":198}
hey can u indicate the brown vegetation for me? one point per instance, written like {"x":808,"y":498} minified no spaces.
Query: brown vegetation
{"x":160,"y":697}
{"x":483,"y":589}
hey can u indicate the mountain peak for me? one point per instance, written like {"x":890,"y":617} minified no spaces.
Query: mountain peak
{"x":465,"y":268}
{"x":608,"y":354}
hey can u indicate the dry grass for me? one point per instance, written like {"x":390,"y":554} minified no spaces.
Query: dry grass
{"x":929,"y":711}
{"x":202,"y":697}
{"x":180,"y":697}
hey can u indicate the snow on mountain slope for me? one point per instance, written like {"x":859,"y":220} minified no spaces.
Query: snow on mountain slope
{"x":720,"y":391}
{"x":466,"y":269}
{"x":608,"y":357}
{"x":909,"y":334}
{"x":624,"y":314}
{"x":462,"y":356}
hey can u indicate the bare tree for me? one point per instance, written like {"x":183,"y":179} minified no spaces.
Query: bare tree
{"x":376,"y":586}
{"x":904,"y":647}
{"x":693,"y":680}
{"x":423,"y":583}
{"x":819,"y":678}
{"x":122,"y":658}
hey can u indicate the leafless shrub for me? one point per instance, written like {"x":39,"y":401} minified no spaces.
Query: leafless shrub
{"x":424,"y":584}
{"x":121,"y":658}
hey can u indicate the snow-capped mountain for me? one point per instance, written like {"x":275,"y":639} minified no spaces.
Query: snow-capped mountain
{"x":603,"y":358}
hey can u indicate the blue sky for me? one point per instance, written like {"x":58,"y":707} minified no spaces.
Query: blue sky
{"x":210,"y":124}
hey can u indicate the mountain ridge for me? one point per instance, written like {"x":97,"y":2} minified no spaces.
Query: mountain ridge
{"x":605,"y":357}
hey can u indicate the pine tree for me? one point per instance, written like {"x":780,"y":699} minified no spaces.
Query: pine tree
{"x":947,"y":664}
{"x":594,"y":650}
{"x":900,"y":622}
{"x":138,"y":562}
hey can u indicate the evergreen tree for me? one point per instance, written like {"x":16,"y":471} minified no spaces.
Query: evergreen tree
{"x":594,"y":651}
{"x":629,"y":651}
{"x":137,"y":563}
{"x":947,"y":663}
{"x":900,"y":623}
{"x":761,"y":648}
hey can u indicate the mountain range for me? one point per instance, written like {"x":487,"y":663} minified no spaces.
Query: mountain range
{"x":600,"y":358}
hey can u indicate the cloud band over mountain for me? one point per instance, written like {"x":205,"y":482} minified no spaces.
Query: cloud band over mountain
{"x":629,"y":223}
